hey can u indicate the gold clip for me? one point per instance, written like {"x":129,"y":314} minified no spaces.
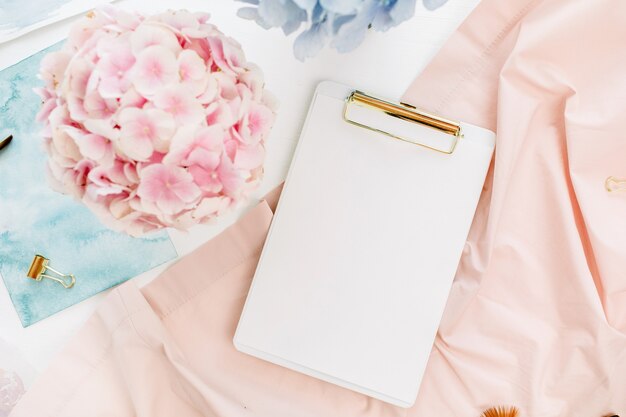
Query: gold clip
{"x":39,"y":267}
{"x":613,"y":184}
{"x":404,"y":112}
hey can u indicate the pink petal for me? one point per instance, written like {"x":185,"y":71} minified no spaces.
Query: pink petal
{"x":180,"y":145}
{"x":137,"y":133}
{"x":227,"y":54}
{"x":169,"y":203}
{"x":170,"y":188}
{"x":65,"y":144}
{"x":191,"y":66}
{"x":156,"y":67}
{"x":211,"y":206}
{"x":132,"y":99}
{"x":53,"y":67}
{"x":250,"y":157}
{"x":78,"y":74}
{"x":187,"y":191}
{"x":76,"y":108}
{"x":203,"y":157}
{"x":211,"y":137}
{"x":151,"y":34}
{"x":219,"y":113}
{"x":178,"y":102}
{"x":179,"y":19}
{"x":46,"y":109}
{"x":208,"y":180}
{"x":102,"y":127}
{"x":98,"y":107}
{"x":153,"y":179}
{"x":229,"y":176}
{"x":94,"y":147}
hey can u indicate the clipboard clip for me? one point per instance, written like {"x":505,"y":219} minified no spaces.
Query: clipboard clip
{"x":404,"y":112}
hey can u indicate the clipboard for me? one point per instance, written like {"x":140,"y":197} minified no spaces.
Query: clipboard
{"x":368,"y":233}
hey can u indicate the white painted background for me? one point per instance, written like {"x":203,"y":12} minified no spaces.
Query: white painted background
{"x":384,"y":64}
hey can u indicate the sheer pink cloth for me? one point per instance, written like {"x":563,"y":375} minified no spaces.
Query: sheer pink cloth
{"x":537,"y":313}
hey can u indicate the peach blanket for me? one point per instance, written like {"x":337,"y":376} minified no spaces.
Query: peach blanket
{"x":537,"y":313}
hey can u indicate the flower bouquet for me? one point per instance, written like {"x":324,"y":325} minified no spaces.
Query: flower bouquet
{"x":153,"y":121}
{"x":342,"y":23}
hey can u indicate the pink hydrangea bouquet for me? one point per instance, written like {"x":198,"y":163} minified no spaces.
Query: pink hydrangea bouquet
{"x":153,"y":121}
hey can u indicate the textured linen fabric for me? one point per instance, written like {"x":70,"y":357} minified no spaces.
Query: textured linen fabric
{"x":537,"y":312}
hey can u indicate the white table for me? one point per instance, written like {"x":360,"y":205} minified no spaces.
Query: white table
{"x":384,"y":64}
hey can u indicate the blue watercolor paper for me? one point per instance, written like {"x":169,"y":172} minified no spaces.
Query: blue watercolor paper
{"x":34,"y":219}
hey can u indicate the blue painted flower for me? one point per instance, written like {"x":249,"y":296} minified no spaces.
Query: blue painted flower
{"x":342,"y":24}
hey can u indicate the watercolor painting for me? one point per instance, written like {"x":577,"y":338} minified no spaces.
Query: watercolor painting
{"x":18,"y":17}
{"x":34,"y":219}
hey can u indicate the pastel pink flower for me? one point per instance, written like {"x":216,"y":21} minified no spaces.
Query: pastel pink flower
{"x":193,"y":146}
{"x":65,"y":145}
{"x":98,"y":107}
{"x":222,"y":177}
{"x":156,"y":66}
{"x":78,"y":75}
{"x":114,"y":70}
{"x":201,"y":153}
{"x":155,"y":121}
{"x":227,"y":54}
{"x":254,"y":123}
{"x":222,"y":113}
{"x":192,"y":72}
{"x":49,"y":103}
{"x":101,"y":183}
{"x":86,"y":29}
{"x":132,"y":99}
{"x":152,"y":33}
{"x":74,"y":180}
{"x":144,"y":131}
{"x":248,"y":157}
{"x":182,"y":19}
{"x":53,"y":67}
{"x":253,"y":80}
{"x":119,"y":21}
{"x":202,"y":48}
{"x":170,"y":188}
{"x":94,"y":147}
{"x":180,"y":103}
{"x":210,"y":207}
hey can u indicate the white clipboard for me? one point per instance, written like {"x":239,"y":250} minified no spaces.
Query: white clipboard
{"x":367,"y":237}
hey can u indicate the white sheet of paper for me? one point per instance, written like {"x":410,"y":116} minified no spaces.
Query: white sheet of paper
{"x":359,"y":260}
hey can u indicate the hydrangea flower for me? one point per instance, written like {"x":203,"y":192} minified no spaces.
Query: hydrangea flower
{"x":340,"y":23}
{"x":153,"y":121}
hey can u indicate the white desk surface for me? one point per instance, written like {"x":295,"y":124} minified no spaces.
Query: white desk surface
{"x":384,"y":64}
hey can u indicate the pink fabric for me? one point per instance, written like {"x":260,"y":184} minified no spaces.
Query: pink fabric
{"x":537,"y":313}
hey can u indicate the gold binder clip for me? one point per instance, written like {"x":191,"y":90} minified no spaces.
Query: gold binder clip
{"x":404,"y":112}
{"x":39,"y":267}
{"x":613,"y":184}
